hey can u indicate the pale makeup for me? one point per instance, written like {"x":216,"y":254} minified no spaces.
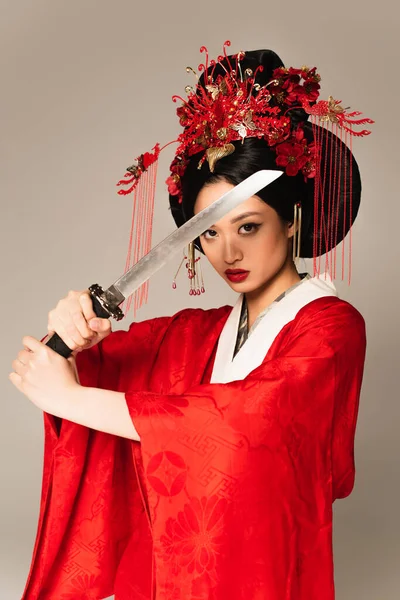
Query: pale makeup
{"x":254,"y":238}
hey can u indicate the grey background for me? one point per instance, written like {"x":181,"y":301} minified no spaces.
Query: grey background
{"x":87,"y":86}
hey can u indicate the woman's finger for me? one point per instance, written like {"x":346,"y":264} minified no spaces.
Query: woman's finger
{"x":101,"y":326}
{"x":86,"y":304}
{"x":68,"y":332}
{"x":32,"y":343}
{"x":16,"y":380}
{"x":19,"y":367}
{"x":81,"y":325}
{"x":23,"y":356}
{"x":58,"y":328}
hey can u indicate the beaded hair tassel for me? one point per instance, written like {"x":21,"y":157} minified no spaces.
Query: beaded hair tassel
{"x":141,"y":179}
{"x":329,"y":115}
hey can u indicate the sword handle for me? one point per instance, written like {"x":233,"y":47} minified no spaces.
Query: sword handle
{"x":103,"y":306}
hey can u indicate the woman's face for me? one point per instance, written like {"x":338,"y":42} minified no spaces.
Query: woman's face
{"x":248,"y":246}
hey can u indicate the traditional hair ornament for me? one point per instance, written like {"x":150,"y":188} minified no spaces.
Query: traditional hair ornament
{"x":143,"y":171}
{"x":231,"y":107}
{"x":234,"y":106}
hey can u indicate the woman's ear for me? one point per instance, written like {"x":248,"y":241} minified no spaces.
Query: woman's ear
{"x":290,"y":229}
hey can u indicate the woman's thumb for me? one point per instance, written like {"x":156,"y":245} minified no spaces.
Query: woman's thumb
{"x":100,"y":325}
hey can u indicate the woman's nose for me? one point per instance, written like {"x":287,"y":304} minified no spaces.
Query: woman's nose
{"x":232,"y":252}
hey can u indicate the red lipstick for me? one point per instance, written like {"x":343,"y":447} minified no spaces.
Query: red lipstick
{"x":236,"y":275}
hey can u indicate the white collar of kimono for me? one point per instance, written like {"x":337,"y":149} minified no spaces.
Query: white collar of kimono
{"x":254,"y":350}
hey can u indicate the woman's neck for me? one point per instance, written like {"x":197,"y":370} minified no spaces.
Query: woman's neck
{"x":259,"y":299}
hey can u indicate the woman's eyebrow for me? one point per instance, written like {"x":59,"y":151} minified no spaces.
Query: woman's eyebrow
{"x":243,"y":216}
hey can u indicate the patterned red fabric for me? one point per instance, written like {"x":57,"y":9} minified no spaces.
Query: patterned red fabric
{"x":229,"y":494}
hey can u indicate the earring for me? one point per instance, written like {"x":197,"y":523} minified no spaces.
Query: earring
{"x":195,"y":275}
{"x":297,"y":231}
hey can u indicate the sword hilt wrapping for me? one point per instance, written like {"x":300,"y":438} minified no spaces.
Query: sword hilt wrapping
{"x":103,"y":307}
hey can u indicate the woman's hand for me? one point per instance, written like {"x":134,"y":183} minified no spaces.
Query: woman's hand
{"x":75,"y":321}
{"x":50,"y":382}
{"x":46,"y":378}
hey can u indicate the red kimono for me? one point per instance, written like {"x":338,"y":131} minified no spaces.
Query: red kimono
{"x":228,"y":495}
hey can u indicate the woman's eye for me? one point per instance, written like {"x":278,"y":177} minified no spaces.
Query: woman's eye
{"x":209,"y":233}
{"x":249,"y":227}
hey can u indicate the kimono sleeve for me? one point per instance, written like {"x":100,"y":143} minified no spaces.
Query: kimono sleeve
{"x":89,"y":486}
{"x":348,"y":382}
{"x":318,"y":369}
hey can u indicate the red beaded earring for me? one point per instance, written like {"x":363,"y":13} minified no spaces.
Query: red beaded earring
{"x":195,"y":274}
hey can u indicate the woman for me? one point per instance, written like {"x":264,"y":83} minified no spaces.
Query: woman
{"x":198,"y":455}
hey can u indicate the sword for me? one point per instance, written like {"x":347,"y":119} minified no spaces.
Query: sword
{"x":106,"y":302}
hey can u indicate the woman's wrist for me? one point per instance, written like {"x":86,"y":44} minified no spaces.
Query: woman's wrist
{"x":103,"y":410}
{"x":68,"y":403}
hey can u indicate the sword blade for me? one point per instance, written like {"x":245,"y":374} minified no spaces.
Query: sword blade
{"x":178,"y":239}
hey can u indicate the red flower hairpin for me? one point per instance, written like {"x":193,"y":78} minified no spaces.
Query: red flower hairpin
{"x":234,"y":106}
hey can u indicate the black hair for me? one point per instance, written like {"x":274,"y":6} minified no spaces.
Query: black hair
{"x":254,"y":154}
